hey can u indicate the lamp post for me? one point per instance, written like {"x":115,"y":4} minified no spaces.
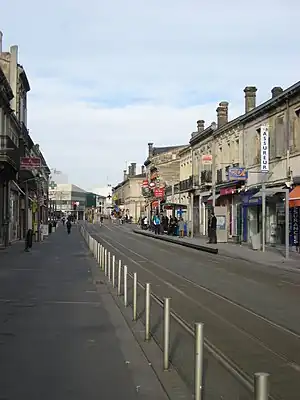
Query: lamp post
{"x":213,"y":177}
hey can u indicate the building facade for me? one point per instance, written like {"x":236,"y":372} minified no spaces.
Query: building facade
{"x":228,"y":169}
{"x":162,"y":175}
{"x":19,"y":186}
{"x":127,"y":197}
{"x":64,"y":197}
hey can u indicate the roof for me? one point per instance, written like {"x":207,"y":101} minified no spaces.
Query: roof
{"x":160,"y":150}
{"x":271,"y":103}
{"x":120,"y":184}
{"x":24,"y":78}
{"x":249,"y":116}
{"x":69,"y":187}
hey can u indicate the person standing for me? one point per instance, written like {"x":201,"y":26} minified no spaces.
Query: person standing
{"x":156,"y":222}
{"x":213,"y":229}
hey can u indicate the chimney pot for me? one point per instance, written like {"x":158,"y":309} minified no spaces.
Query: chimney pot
{"x":250,"y":98}
{"x":200,"y":125}
{"x":124,"y":175}
{"x":129,"y":171}
{"x":150,"y":149}
{"x":1,"y":41}
{"x":133,"y":169}
{"x":222,"y":113}
{"x":276,"y":91}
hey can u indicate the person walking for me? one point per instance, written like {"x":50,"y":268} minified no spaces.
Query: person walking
{"x":69,"y":226}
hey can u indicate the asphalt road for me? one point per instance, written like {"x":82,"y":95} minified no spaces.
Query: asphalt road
{"x":61,"y":334}
{"x":251,"y":312}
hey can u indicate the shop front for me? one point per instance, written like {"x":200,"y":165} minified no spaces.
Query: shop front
{"x":252,"y":216}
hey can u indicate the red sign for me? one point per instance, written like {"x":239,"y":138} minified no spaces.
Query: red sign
{"x":159,"y":193}
{"x":145,"y":184}
{"x":154,"y":204}
{"x":30,"y":163}
{"x":226,"y":191}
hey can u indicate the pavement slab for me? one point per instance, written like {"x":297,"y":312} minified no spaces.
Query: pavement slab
{"x":62,"y":336}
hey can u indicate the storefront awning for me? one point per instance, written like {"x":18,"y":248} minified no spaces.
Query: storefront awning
{"x":268,"y":191}
{"x":211,"y":197}
{"x":174,"y":205}
{"x":294,"y":197}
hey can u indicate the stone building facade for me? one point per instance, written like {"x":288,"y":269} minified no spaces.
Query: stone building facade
{"x":127,"y":196}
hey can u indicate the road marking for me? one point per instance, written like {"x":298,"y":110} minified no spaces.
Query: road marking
{"x":74,"y":302}
{"x":221,"y":297}
{"x":290,"y":363}
{"x":291,"y":283}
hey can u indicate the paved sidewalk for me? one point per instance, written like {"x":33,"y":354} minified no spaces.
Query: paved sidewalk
{"x":61,"y":334}
{"x":270,"y":257}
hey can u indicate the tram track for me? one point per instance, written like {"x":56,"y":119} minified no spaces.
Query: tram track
{"x":240,"y":326}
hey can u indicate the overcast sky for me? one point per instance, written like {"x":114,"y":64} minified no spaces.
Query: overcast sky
{"x":107,"y":77}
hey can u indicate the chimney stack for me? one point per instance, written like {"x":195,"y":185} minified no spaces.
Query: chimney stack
{"x":143,"y":169}
{"x":133,"y":168}
{"x":129,"y":171}
{"x":150,"y":150}
{"x":200,"y":125}
{"x":276,"y":91}
{"x":124,"y":175}
{"x":1,"y":42}
{"x":250,"y":98}
{"x":222,"y":113}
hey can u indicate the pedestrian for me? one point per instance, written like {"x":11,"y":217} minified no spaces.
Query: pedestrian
{"x":69,"y":226}
{"x":213,"y":229}
{"x":181,"y":227}
{"x":156,"y":222}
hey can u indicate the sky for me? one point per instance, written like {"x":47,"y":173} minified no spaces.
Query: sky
{"x":107,"y":77}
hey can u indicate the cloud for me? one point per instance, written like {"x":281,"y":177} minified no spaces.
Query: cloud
{"x":108,"y":77}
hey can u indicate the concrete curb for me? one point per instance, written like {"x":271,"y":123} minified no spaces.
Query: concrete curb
{"x":199,"y":247}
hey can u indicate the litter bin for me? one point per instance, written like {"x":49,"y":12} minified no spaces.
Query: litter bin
{"x":50,"y":228}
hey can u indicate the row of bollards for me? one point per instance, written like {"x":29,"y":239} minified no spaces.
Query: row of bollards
{"x":107,"y":263}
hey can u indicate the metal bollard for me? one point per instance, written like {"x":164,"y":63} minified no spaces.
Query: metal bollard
{"x":105,"y":262}
{"x":147,"y":311}
{"x":199,"y":340}
{"x":113,"y":271}
{"x":166,"y":332}
{"x":134,"y":297}
{"x":125,"y":285}
{"x":100,"y":255}
{"x":261,"y":386}
{"x":103,"y":258}
{"x":109,"y":267}
{"x":119,"y":277}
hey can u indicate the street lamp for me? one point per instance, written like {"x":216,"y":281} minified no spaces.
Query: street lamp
{"x":213,"y":127}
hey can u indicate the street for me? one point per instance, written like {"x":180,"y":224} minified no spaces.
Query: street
{"x":250,"y":311}
{"x":61,"y":334}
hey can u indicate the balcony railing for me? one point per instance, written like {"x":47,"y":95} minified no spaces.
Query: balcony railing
{"x":186,"y":184}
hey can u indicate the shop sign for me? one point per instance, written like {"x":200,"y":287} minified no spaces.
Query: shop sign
{"x":264,"y":148}
{"x":159,"y":193}
{"x":154,"y":204}
{"x":237,"y":174}
{"x":226,"y":191}
{"x":30,"y":163}
{"x":206,"y":159}
{"x":145,"y":184}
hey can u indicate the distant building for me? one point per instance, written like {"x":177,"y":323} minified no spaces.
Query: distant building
{"x":64,"y":196}
{"x":127,"y":196}
{"x":105,"y":196}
